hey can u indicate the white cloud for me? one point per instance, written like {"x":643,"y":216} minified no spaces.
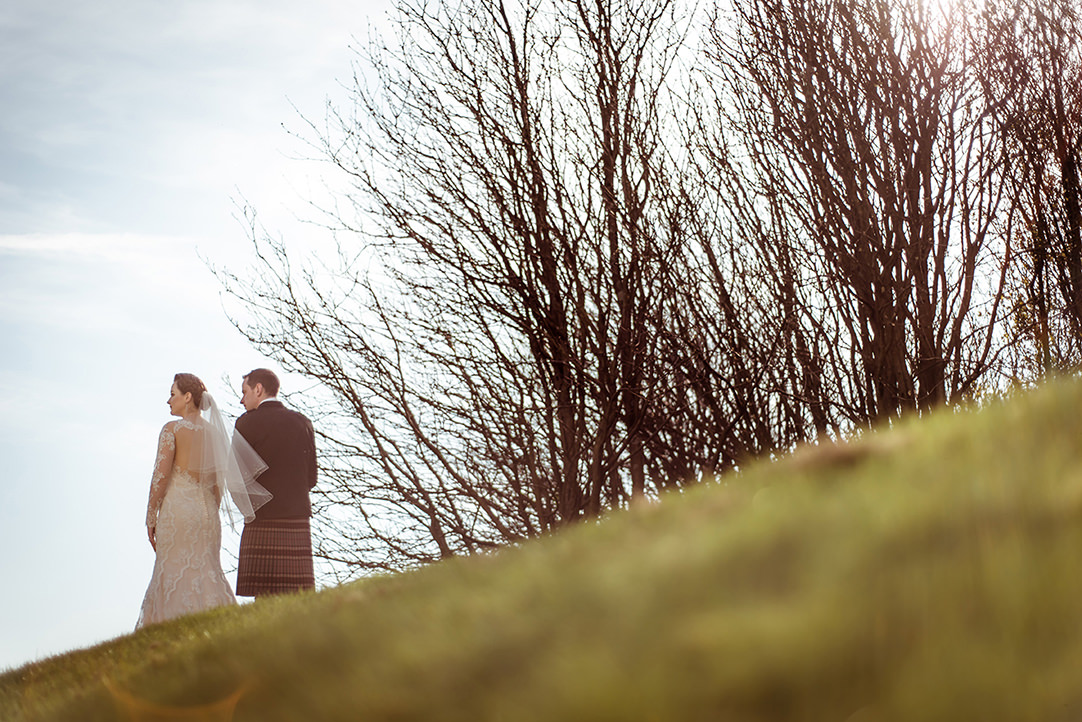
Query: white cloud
{"x":185,"y":100}
{"x":100,"y":294}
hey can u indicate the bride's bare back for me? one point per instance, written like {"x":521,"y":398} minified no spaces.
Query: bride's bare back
{"x":189,"y":440}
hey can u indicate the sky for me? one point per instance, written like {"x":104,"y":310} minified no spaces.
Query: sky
{"x":129,"y":132}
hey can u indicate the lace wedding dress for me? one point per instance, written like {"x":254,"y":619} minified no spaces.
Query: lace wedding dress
{"x":183,"y":510}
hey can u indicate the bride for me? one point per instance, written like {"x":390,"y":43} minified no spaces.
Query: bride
{"x":196,"y":464}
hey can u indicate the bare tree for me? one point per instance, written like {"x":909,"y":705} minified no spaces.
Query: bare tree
{"x":1030,"y":54}
{"x":490,"y":338}
{"x":851,"y":140}
{"x":581,"y":259}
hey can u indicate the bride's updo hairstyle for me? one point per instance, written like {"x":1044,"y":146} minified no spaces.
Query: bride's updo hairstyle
{"x":190,"y":384}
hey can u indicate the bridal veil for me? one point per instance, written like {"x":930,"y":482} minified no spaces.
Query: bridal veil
{"x":234,"y":465}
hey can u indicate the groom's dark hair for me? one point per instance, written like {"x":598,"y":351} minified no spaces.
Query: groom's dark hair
{"x":265,"y":377}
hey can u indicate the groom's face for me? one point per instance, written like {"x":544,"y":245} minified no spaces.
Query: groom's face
{"x":250,"y":397}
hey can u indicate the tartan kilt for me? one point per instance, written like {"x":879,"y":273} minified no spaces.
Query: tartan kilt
{"x":275,"y":557}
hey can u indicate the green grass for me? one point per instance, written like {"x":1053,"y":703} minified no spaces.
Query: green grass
{"x":932,"y":572}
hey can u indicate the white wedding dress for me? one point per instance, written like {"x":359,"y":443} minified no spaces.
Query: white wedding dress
{"x":183,"y":510}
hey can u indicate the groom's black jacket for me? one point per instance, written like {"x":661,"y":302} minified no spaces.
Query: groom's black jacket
{"x":284,"y":439}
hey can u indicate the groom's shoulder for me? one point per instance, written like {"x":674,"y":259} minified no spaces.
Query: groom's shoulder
{"x":294,"y":413}
{"x":244,"y":420}
{"x":266,"y":412}
{"x":278,"y":408}
{"x":299,"y":417}
{"x":272,"y":412}
{"x":289,"y":419}
{"x":292,"y":416}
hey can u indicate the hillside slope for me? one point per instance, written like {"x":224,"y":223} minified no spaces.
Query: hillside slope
{"x":932,"y":572}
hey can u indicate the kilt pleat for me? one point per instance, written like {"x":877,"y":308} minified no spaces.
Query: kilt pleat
{"x":275,"y":557}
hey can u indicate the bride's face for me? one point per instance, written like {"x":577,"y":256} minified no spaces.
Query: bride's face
{"x":178,"y":402}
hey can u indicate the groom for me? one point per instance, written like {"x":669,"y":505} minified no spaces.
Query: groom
{"x":276,"y":547}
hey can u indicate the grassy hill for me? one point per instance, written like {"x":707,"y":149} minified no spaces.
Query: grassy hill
{"x":932,"y":572}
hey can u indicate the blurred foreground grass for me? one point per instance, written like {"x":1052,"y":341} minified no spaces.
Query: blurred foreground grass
{"x":931,"y":572}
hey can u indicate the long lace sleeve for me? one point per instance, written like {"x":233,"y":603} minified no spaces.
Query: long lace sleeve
{"x":167,"y":448}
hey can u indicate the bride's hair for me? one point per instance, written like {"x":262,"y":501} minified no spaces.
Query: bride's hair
{"x":190,"y":383}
